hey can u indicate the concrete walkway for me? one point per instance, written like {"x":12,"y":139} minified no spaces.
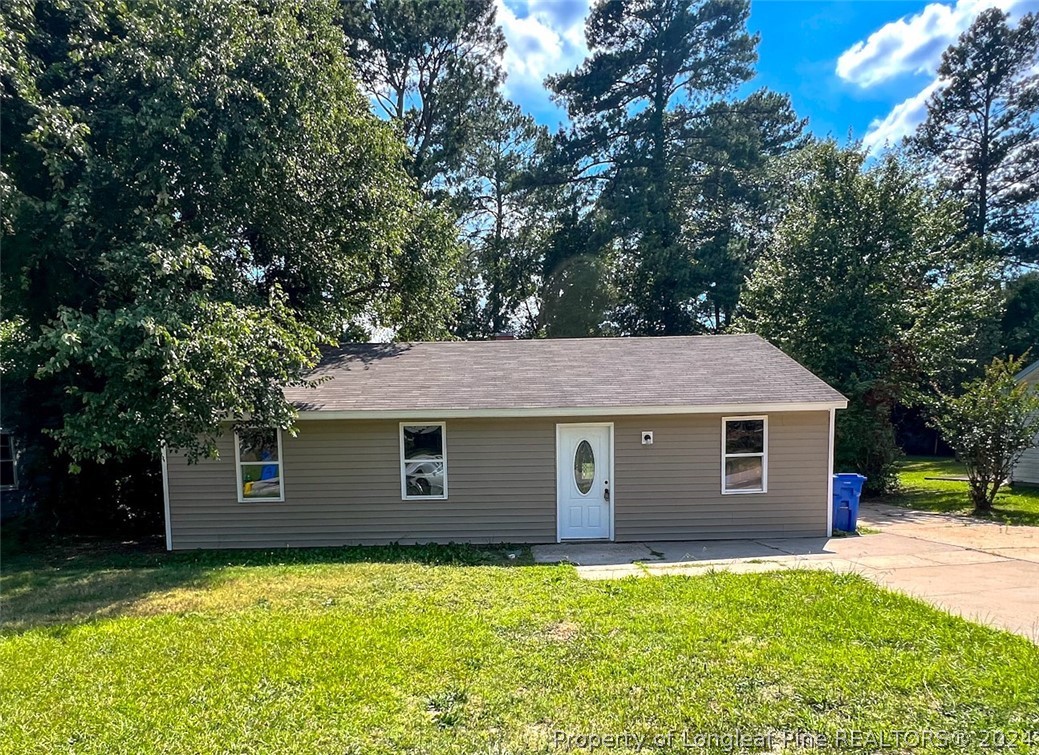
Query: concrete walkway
{"x":982,"y":571}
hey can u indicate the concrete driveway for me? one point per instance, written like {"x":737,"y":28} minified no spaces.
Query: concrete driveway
{"x":981,"y":571}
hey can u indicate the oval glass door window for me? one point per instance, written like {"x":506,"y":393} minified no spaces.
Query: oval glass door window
{"x":584,"y":467}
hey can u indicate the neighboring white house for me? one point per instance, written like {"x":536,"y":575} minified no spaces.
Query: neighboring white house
{"x":1027,"y":469}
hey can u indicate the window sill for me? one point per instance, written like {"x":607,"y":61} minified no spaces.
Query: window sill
{"x":744,"y":492}
{"x":424,"y":498}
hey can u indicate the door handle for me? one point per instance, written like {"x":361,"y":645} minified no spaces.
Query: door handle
{"x":606,"y":491}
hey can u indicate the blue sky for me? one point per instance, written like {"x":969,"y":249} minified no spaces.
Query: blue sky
{"x":859,"y":68}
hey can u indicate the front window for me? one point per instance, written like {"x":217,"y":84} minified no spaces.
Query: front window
{"x":744,"y":454}
{"x":259,"y":465}
{"x":8,"y":473}
{"x":423,"y":461}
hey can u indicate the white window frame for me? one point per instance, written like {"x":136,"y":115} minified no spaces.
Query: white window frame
{"x":403,"y":462}
{"x":238,"y":464}
{"x":14,"y":462}
{"x":763,"y":454}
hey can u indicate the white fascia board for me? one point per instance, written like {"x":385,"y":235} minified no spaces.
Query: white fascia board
{"x":829,"y":476}
{"x":570,"y":411}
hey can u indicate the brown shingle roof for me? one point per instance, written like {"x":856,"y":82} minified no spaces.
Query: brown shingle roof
{"x":586,"y":373}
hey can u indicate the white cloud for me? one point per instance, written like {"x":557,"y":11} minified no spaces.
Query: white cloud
{"x":901,"y":121}
{"x":914,"y":44}
{"x":561,"y":14}
{"x":547,"y":39}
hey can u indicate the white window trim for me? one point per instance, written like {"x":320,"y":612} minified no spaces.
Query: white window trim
{"x":403,"y":464}
{"x":14,"y":464}
{"x":763,"y":455}
{"x":238,"y":464}
{"x":829,"y":478}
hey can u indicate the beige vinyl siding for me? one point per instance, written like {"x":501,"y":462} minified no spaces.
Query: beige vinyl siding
{"x":1027,"y":468}
{"x":342,"y":485}
{"x":671,"y":490}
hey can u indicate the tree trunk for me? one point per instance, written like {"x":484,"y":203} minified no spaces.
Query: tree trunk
{"x":497,"y":278}
{"x":659,"y":225}
{"x":981,"y":222}
{"x":979,"y":496}
{"x":993,"y":490}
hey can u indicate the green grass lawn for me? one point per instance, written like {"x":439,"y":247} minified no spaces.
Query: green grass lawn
{"x":1019,"y":505}
{"x":461,"y":650}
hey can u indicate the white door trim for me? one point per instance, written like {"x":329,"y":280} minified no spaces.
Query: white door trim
{"x":612,"y":503}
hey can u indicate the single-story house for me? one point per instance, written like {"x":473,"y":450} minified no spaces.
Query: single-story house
{"x":525,"y":441}
{"x":1027,"y":468}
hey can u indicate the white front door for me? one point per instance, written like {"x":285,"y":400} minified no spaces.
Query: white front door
{"x":583,"y":484}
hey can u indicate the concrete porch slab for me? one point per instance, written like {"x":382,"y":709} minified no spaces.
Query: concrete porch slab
{"x":610,"y":571}
{"x":591,"y":554}
{"x":712,"y":550}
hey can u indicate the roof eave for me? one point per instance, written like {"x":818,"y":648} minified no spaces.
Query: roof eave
{"x":569,"y":411}
{"x":1027,"y":371}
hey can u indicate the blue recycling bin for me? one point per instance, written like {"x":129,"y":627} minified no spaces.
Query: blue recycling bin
{"x":847,"y":489}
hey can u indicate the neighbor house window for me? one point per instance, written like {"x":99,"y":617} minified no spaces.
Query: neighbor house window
{"x":744,"y":454}
{"x":258,"y":459}
{"x":423,"y":461}
{"x":8,"y":473}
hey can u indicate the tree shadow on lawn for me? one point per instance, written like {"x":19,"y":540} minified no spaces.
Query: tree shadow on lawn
{"x":955,"y":504}
{"x":76,"y":581}
{"x":922,"y":488}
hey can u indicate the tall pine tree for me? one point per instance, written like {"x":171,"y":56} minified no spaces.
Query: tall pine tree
{"x":653,"y":64}
{"x":732,"y":197}
{"x":499,"y":219}
{"x":982,"y":129}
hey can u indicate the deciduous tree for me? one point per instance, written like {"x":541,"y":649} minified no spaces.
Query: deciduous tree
{"x":989,"y":425}
{"x":430,"y":65}
{"x":196,"y":198}
{"x":868,"y":283}
{"x":1021,"y":316}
